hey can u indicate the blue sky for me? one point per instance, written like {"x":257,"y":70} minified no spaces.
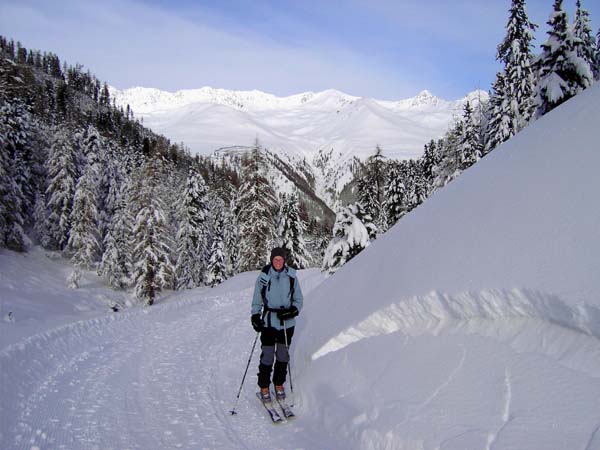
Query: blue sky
{"x":388,"y":49}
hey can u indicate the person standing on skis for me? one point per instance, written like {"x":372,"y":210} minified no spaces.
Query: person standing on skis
{"x":276,"y":302}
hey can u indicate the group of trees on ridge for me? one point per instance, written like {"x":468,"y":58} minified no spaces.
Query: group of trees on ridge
{"x":528,"y":87}
{"x":83,"y":177}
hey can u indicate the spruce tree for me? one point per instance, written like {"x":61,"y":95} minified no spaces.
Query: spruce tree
{"x":366,"y":219}
{"x":93,"y":143}
{"x":371,"y":186}
{"x":562,"y":74}
{"x":470,"y":143}
{"x":515,"y":51}
{"x":431,"y":158}
{"x":291,"y":232}
{"x":395,"y":195}
{"x":256,"y":211}
{"x":582,"y":30}
{"x":192,"y":235}
{"x":499,"y":125}
{"x":13,"y":180}
{"x":597,"y":57}
{"x":41,"y":220}
{"x":450,"y":156}
{"x":84,"y":237}
{"x":216,"y":271}
{"x":62,"y":178}
{"x":231,"y":238}
{"x":116,"y":264}
{"x":152,"y":268}
{"x":350,"y":237}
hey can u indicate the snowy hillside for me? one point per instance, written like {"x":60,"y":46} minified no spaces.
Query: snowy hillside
{"x":304,"y":125}
{"x":474,"y":323}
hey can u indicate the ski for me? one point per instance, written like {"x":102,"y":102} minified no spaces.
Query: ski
{"x":285,"y":407}
{"x":275,"y":417}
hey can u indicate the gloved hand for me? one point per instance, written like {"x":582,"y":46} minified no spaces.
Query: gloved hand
{"x":257,"y":323}
{"x":287,"y":314}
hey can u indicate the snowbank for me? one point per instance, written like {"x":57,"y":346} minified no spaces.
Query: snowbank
{"x":525,"y":217}
{"x":474,"y":323}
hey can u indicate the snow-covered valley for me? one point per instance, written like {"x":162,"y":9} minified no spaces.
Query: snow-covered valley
{"x":474,"y":323}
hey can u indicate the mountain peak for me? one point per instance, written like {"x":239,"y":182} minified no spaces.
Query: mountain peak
{"x":206,"y":119}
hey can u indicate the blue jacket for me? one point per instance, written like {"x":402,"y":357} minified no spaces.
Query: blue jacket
{"x":277,"y":293}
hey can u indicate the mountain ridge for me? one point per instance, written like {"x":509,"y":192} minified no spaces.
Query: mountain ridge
{"x":303,"y":126}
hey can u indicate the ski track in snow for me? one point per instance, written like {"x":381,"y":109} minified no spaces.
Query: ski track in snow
{"x":506,"y":410}
{"x":147,"y":379}
{"x":594,"y":439}
{"x":443,"y":385}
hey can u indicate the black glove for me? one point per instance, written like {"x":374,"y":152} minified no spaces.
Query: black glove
{"x":257,"y":323}
{"x":287,"y":314}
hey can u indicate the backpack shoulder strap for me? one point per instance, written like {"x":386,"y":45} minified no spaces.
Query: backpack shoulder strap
{"x":265,"y":281}
{"x":292,"y":276}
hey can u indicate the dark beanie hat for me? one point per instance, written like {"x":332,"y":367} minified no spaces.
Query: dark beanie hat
{"x":277,"y":251}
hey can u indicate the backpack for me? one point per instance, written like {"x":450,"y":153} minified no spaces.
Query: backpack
{"x":267,"y":285}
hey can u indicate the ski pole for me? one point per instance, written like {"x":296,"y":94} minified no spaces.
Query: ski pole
{"x":233,"y":411}
{"x":289,"y":362}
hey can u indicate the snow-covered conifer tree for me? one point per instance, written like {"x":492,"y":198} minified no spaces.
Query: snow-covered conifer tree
{"x":562,"y":74}
{"x":257,"y":206}
{"x":582,"y":29}
{"x":515,"y":51}
{"x":371,"y":186}
{"x":12,"y":199}
{"x":450,"y":156}
{"x":291,"y":232}
{"x":62,"y":178}
{"x":152,"y":269}
{"x":216,"y":271}
{"x":395,"y":195}
{"x":192,"y":234}
{"x":83,"y":243}
{"x":231,"y":238}
{"x":597,"y":57}
{"x":350,"y":237}
{"x":41,"y":220}
{"x":93,"y":144}
{"x":116,"y":263}
{"x":431,"y":158}
{"x":470,"y":150}
{"x":499,"y":125}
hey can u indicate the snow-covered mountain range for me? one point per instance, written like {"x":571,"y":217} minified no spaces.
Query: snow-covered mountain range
{"x":313,"y":127}
{"x":207,"y":119}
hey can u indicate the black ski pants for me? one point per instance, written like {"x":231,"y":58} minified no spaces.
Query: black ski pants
{"x":274,"y":351}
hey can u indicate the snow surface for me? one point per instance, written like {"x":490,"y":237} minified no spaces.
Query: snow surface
{"x":207,"y":119}
{"x":472,"y":324}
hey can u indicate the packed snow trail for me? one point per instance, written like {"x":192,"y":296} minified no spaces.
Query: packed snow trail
{"x":156,"y":378}
{"x":493,"y":370}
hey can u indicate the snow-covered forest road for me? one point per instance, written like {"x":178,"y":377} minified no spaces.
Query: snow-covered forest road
{"x":161,"y":377}
{"x":498,"y":371}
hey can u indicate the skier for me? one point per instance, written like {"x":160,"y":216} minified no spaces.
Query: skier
{"x":278,"y":295}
